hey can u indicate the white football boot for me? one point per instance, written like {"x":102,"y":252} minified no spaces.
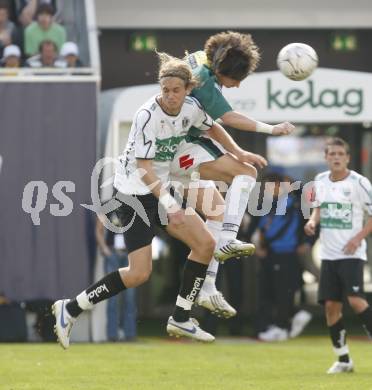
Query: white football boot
{"x":64,"y":322}
{"x":189,"y":329}
{"x":216,"y":303}
{"x":233,"y":248}
{"x":339,"y":367}
{"x":273,"y":333}
{"x":299,"y":322}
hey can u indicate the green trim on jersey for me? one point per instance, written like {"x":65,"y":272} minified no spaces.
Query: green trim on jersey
{"x":167,"y":148}
{"x":207,"y":93}
{"x":206,"y":144}
{"x":334,"y":215}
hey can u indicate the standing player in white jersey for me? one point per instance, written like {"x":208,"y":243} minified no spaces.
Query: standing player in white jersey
{"x":342,"y":196}
{"x":159,"y":128}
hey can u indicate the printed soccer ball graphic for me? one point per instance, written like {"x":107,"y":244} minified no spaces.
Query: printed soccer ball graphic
{"x":297,"y":61}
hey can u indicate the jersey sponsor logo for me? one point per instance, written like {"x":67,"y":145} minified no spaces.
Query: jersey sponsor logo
{"x":186,"y":162}
{"x":197,"y":286}
{"x":167,"y":148}
{"x":97,"y":291}
{"x":336,"y":215}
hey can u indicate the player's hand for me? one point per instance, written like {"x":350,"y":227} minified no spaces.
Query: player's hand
{"x":251,"y":158}
{"x":351,"y":246}
{"x":284,"y":128}
{"x":176,"y":217}
{"x":310,"y":228}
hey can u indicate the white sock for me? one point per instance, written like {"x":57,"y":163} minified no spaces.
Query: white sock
{"x":236,"y":203}
{"x":209,"y":285}
{"x":83,"y":301}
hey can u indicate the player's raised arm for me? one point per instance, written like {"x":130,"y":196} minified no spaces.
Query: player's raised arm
{"x":218,"y":133}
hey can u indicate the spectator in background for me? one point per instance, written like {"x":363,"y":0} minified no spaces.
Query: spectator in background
{"x":11,"y":57}
{"x":121,"y":314}
{"x":69,"y":56}
{"x":8,"y":30}
{"x":46,"y":58}
{"x":27,"y":10}
{"x":43,"y":29}
{"x":281,"y":240}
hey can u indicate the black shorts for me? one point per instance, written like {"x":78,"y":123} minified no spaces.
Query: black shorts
{"x":140,"y":215}
{"x":340,"y":278}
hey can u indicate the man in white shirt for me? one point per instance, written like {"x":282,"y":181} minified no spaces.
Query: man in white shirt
{"x":342,"y":196}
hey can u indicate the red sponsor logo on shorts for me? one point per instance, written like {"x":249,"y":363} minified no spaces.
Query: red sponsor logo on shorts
{"x":186,"y":162}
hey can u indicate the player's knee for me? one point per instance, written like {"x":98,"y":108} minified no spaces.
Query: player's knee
{"x":358,"y":304}
{"x":245,"y":170}
{"x":204,"y":246}
{"x":140,"y":276}
{"x":332,"y":310}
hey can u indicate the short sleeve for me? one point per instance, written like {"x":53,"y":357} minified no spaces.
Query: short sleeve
{"x":144,"y":139}
{"x":210,"y":96}
{"x":366,"y":194}
{"x":202,"y":120}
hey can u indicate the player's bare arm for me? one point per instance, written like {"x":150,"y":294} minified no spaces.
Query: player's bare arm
{"x":219,"y":134}
{"x":175,"y":213}
{"x":353,"y":244}
{"x":242,"y":122}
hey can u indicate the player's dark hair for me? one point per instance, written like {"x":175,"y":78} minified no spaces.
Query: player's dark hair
{"x":232,"y":54}
{"x":336,"y":141}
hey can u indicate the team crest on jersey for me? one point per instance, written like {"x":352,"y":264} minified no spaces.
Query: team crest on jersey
{"x":185,"y":122}
{"x":346,"y":191}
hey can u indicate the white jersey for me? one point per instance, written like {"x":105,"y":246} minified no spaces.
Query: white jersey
{"x":156,"y":135}
{"x":342,"y":205}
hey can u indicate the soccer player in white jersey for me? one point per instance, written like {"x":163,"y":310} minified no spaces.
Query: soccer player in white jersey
{"x":158,"y":129}
{"x":342,"y":196}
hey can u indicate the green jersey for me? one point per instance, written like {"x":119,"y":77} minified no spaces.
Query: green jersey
{"x":209,"y":91}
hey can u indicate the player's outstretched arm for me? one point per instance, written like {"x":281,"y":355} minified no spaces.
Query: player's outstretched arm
{"x":241,"y":122}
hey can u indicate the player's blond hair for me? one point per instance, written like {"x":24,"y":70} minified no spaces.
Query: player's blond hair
{"x":170,"y":66}
{"x":232,"y":54}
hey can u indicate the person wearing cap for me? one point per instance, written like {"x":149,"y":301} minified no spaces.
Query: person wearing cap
{"x":44,"y":28}
{"x":69,"y":56}
{"x":11,"y":57}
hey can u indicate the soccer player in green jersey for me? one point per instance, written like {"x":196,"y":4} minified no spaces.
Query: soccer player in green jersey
{"x":228,"y":58}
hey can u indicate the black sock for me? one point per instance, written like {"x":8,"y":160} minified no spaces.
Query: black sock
{"x":366,"y":318}
{"x":338,"y":337}
{"x":105,"y":288}
{"x":192,"y":281}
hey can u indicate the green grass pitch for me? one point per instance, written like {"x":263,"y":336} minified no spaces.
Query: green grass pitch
{"x":162,"y":364}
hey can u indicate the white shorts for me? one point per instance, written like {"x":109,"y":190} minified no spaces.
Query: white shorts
{"x":190,"y":155}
